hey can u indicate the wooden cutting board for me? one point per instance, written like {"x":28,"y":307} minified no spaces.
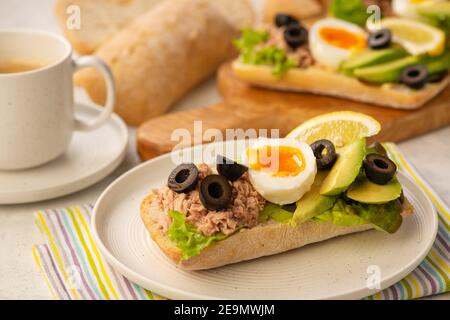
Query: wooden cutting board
{"x":248,"y":107}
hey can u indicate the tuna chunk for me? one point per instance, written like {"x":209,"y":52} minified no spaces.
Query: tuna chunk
{"x":243,"y":211}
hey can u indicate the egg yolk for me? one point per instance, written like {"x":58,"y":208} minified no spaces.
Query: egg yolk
{"x":342,"y":38}
{"x":280,"y":161}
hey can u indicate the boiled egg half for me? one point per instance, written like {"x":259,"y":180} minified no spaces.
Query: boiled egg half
{"x":281,"y":170}
{"x":333,"y":40}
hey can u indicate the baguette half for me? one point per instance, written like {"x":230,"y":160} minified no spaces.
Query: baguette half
{"x":321,"y":81}
{"x":263,"y":240}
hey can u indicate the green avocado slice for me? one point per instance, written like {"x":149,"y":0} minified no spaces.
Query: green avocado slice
{"x":313,"y":203}
{"x":387,"y":72}
{"x":346,"y":168}
{"x":371,"y":57}
{"x":365,"y":191}
{"x":437,"y":64}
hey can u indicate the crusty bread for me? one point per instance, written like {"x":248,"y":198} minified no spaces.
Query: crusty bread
{"x":100,"y":20}
{"x":301,"y":9}
{"x":322,"y":81}
{"x":164,"y":53}
{"x":263,"y":240}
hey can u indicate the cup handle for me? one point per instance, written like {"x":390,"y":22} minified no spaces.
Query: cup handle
{"x":94,"y":62}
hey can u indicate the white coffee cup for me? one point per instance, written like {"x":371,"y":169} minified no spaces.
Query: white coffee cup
{"x":37,"y":117}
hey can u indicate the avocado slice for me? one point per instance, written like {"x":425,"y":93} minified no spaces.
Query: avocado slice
{"x":386,"y":72}
{"x":370,"y":58}
{"x":346,"y":168}
{"x":313,"y":203}
{"x":436,"y":65}
{"x":365,"y":191}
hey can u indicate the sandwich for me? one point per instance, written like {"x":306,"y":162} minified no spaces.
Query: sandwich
{"x":401,"y":61}
{"x":282,"y":194}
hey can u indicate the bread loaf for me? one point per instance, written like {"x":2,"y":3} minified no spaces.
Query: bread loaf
{"x":99,"y":20}
{"x":166,"y":52}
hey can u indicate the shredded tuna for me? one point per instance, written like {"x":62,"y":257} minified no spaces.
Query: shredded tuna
{"x":301,"y":55}
{"x":243,"y":211}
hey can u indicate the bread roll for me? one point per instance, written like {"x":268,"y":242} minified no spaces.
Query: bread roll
{"x":325,"y":82}
{"x":165,"y":53}
{"x":265,"y":239}
{"x":100,"y":20}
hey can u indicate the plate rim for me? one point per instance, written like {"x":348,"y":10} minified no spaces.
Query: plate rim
{"x":54,"y":192}
{"x":176,"y":293}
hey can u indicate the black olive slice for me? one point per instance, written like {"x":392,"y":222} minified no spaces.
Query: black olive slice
{"x":215,"y":192}
{"x":379,"y":168}
{"x":380,"y":39}
{"x":415,"y":76}
{"x":183,"y":178}
{"x":324,"y":160}
{"x":284,"y":20}
{"x":229,"y":168}
{"x":295,"y":36}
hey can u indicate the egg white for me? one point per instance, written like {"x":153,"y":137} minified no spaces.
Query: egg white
{"x":288,"y":189}
{"x":328,"y":54}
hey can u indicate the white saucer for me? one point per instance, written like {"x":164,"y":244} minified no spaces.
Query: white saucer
{"x":91,"y":157}
{"x":340,"y":268}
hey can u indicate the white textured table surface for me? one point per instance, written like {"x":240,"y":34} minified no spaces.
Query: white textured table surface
{"x":19,"y":276}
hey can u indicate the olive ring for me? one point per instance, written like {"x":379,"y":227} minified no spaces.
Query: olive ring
{"x":379,"y":168}
{"x":327,"y":160}
{"x":183,"y":178}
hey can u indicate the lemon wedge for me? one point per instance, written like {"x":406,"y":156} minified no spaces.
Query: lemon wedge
{"x":340,"y":127}
{"x":415,"y":36}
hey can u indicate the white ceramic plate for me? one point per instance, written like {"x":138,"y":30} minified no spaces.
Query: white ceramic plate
{"x":91,"y":157}
{"x":338,"y":268}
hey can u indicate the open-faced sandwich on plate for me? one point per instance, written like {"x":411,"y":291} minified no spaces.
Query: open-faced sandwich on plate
{"x":283,"y":194}
{"x":400,"y":61}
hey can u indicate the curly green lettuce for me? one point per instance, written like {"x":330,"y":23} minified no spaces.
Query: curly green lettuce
{"x":272,"y":56}
{"x":187,"y":238}
{"x":386,"y":217}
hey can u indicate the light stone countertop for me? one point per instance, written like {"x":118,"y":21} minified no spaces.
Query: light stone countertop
{"x":19,"y":276}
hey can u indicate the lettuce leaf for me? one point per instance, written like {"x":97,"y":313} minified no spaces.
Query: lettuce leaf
{"x":353,"y":11}
{"x":187,"y":238}
{"x":341,"y":215}
{"x":275,"y":212}
{"x":386,"y":217}
{"x":272,"y":56}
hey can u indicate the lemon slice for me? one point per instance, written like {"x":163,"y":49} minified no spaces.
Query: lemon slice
{"x":339,"y":127}
{"x":416,"y":37}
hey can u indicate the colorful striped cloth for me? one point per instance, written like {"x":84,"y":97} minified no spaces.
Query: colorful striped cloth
{"x":74,"y":269}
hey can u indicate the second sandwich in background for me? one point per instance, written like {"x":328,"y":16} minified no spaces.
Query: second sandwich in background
{"x":165,"y":53}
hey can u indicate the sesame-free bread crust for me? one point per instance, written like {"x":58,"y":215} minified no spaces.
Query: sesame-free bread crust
{"x":322,"y":81}
{"x":263,"y":240}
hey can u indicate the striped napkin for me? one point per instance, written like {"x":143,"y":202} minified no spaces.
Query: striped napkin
{"x":74,"y":269}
